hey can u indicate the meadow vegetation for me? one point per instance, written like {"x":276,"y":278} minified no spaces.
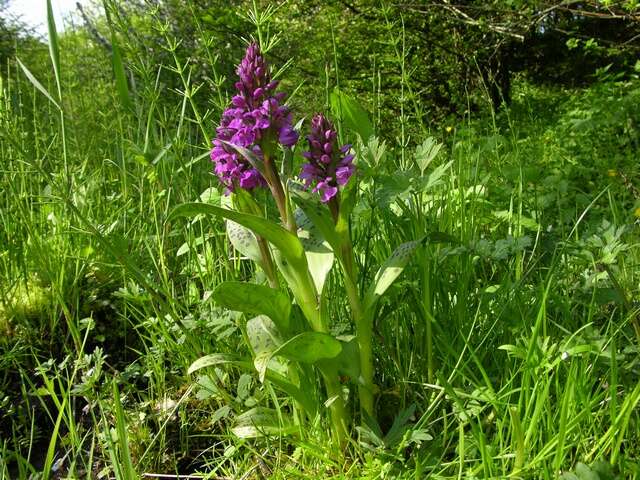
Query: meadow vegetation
{"x":508,"y":346}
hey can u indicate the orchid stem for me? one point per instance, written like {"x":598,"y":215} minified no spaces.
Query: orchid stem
{"x":277,"y":190}
{"x":364,"y":330}
{"x":267,"y":262}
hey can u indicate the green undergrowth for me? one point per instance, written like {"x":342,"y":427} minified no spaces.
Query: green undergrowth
{"x":508,"y":348}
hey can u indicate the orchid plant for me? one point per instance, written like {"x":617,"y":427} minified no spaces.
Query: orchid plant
{"x":288,"y":326}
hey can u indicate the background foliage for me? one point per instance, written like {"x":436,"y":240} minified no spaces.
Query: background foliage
{"x":509,"y":348}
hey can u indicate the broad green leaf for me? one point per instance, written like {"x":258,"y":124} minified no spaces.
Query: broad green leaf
{"x":347,"y":362}
{"x":285,"y":241}
{"x":263,"y":334}
{"x":318,"y":214}
{"x":265,"y":339}
{"x":309,"y":347}
{"x":244,"y":241}
{"x":219,"y":359}
{"x":302,"y":285}
{"x":426,"y":153}
{"x":255,"y":299}
{"x":319,"y":254}
{"x":352,"y":115}
{"x":260,"y":421}
{"x":390,"y":270}
{"x":289,"y":255}
{"x":306,"y":347}
{"x":242,"y":201}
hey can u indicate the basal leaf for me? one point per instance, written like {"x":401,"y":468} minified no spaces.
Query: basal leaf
{"x":263,"y":334}
{"x":285,"y":241}
{"x":265,"y":339}
{"x":319,"y":253}
{"x":260,"y":421}
{"x":347,"y":362}
{"x":255,"y":299}
{"x":219,"y":359}
{"x":244,"y":241}
{"x":309,"y":347}
{"x":280,"y":381}
{"x":289,"y":255}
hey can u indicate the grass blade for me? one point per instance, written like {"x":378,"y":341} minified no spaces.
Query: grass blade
{"x":54,"y":48}
{"x":119,"y":72}
{"x":123,"y":441}
{"x":34,"y":81}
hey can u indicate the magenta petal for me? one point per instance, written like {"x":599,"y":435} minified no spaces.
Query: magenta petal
{"x":327,"y":193}
{"x":343,"y":174}
{"x":287,"y":137}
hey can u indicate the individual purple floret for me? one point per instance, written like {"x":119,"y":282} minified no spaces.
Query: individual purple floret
{"x":329,"y":166}
{"x":255,"y":120}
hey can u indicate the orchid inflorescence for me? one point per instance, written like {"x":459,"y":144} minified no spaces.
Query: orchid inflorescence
{"x":257,"y":120}
{"x":328,"y":166}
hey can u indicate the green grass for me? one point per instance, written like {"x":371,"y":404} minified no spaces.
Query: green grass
{"x":509,"y":348}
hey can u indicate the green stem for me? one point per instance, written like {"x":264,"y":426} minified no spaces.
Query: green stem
{"x":339,"y":416}
{"x":244,"y":202}
{"x":364,"y":330}
{"x":277,"y":190}
{"x":267,"y":262}
{"x":364,"y":333}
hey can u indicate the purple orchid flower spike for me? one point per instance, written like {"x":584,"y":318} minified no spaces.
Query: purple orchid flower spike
{"x":328,"y":167}
{"x":255,"y":120}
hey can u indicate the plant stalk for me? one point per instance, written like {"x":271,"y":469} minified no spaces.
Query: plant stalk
{"x":267,"y":262}
{"x":364,"y":331}
{"x":275,"y":185}
{"x":339,"y":416}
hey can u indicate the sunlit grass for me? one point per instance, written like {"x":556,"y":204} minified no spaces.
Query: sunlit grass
{"x":509,"y":348}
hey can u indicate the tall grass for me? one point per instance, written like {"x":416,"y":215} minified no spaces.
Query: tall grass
{"x":507,"y":350}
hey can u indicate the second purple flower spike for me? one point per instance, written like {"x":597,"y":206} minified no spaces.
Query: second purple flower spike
{"x":329,"y":166}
